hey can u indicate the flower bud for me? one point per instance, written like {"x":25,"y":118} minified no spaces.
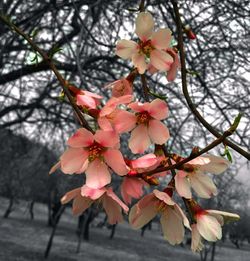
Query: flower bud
{"x":189,"y":32}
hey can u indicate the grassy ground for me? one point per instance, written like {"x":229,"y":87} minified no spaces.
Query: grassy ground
{"x":22,"y":239}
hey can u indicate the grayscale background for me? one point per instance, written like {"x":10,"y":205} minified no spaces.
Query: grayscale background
{"x":35,"y":123}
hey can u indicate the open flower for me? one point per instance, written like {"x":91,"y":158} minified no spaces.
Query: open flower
{"x":92,"y":154}
{"x":208,"y":226}
{"x":194,"y":177}
{"x":150,"y":47}
{"x":84,"y":197}
{"x":172,"y":219}
{"x":146,"y":124}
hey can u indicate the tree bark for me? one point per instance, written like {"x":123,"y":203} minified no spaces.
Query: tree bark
{"x":50,"y":242}
{"x":10,"y":208}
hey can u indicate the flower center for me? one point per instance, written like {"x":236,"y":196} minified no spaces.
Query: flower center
{"x":95,"y":151}
{"x":146,"y":48}
{"x":143,"y":117}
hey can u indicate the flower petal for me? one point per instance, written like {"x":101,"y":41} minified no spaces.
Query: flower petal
{"x":161,"y":60}
{"x":97,"y":174}
{"x":112,"y":209}
{"x":182,"y":215}
{"x":91,"y":94}
{"x":196,"y":244}
{"x":145,"y":161}
{"x":182,"y":186}
{"x":158,"y":132}
{"x":139,"y":140}
{"x":105,"y":124}
{"x":199,"y":161}
{"x":227,"y":216}
{"x":172,"y":227}
{"x":86,"y":100}
{"x":202,"y":185}
{"x":161,"y":39}
{"x":126,"y":48}
{"x":144,"y":25}
{"x":139,"y":62}
{"x":158,"y":109}
{"x":209,"y":227}
{"x":139,"y":106}
{"x":73,"y":159}
{"x":55,"y":167}
{"x":80,"y":204}
{"x":216,"y":164}
{"x":91,"y":192}
{"x":107,"y":138}
{"x":131,"y":187}
{"x":70,"y":195}
{"x":83,"y":168}
{"x":109,"y":107}
{"x":112,"y":195}
{"x":172,"y":72}
{"x":124,"y":121}
{"x":138,"y":217}
{"x":164,"y":197}
{"x":115,"y":160}
{"x":81,"y":138}
{"x":121,"y":88}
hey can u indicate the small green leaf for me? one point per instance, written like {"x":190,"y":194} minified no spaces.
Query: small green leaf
{"x":160,"y":96}
{"x":192,"y":73}
{"x":34,"y":33}
{"x":61,"y":96}
{"x":228,"y":154}
{"x":236,"y":122}
{"x":55,"y":49}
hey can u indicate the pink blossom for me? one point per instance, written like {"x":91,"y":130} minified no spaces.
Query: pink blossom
{"x":208,"y":226}
{"x":172,"y":219}
{"x":120,"y":88}
{"x":85,"y":98}
{"x":109,"y":112}
{"x":93,"y":154}
{"x":85,"y":196}
{"x":132,"y":186}
{"x":172,"y":72}
{"x":145,"y":123}
{"x":151,"y":45}
{"x":202,"y":184}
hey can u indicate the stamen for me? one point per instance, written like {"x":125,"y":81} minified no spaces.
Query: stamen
{"x":143,"y":117}
{"x":95,"y":151}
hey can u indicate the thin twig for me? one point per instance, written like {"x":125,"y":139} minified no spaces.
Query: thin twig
{"x":52,"y":66}
{"x":216,"y":142}
{"x":145,"y":87}
{"x":192,"y":107}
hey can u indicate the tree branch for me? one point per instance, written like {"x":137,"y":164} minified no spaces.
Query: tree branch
{"x":192,"y":107}
{"x":50,"y":63}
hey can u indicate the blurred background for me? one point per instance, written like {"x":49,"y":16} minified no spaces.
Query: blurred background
{"x":35,"y":123}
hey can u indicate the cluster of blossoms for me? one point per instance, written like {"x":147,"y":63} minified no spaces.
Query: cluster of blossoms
{"x":98,"y":155}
